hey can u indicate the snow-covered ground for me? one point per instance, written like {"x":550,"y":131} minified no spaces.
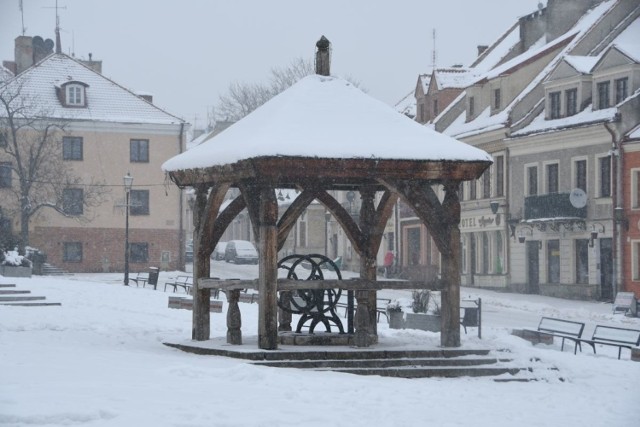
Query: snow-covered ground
{"x":98,"y":360}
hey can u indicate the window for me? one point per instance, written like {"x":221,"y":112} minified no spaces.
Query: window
{"x":499,"y":258}
{"x":75,"y":95}
{"x":497,"y":99}
{"x":635,"y":254}
{"x":139,"y":252}
{"x":499,"y":176}
{"x":139,"y":202}
{"x":532,"y":181}
{"x":139,"y":152}
{"x":581,"y":175}
{"x":5,"y":175}
{"x":72,"y":252}
{"x":414,"y":245}
{"x":553,"y":261}
{"x":605,"y":176}
{"x":3,"y":138}
{"x":73,"y":201}
{"x":72,"y":148}
{"x":485,"y":253}
{"x":554,"y":105}
{"x":486,"y":184}
{"x":635,"y":188}
{"x":421,"y":112}
{"x":552,"y":178}
{"x":461,"y":192}
{"x":472,"y":107}
{"x":472,"y":189}
{"x":435,"y":108}
{"x":571,"y":96}
{"x":582,"y":260}
{"x":621,"y":89}
{"x":603,"y":95}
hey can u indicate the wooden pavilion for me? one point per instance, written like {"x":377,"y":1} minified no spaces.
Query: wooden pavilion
{"x":323,"y":134}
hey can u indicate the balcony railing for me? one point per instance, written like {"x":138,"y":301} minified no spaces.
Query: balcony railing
{"x":555,"y":205}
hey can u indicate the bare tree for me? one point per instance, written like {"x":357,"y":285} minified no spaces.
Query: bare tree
{"x":31,"y":150}
{"x":242,"y":98}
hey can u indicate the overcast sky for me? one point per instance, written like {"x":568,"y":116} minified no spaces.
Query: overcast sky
{"x":186,"y":53}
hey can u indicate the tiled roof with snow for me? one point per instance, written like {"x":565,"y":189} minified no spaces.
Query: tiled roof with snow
{"x":586,"y":116}
{"x":325,"y":117}
{"x":407,"y":105}
{"x":424,"y":80}
{"x":635,"y":133}
{"x":107,"y":101}
{"x":5,"y":74}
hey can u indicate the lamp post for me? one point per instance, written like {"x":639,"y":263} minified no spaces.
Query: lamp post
{"x":128,"y":182}
{"x":327,"y":218}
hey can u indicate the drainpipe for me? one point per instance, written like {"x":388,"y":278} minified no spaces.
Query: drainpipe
{"x":181,"y":232}
{"x":617,"y":195}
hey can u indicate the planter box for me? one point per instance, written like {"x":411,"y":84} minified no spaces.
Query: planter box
{"x":11,"y":271}
{"x":422,"y":321}
{"x":396,"y":319}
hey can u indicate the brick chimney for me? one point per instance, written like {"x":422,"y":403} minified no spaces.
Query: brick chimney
{"x":323,"y":57}
{"x":482,"y":48}
{"x":94,"y":65}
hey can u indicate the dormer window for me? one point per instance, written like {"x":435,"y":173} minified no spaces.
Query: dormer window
{"x":73,"y":94}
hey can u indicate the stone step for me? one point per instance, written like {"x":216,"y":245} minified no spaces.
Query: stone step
{"x":432,"y":372}
{"x":13,"y":292}
{"x":7,"y":285}
{"x":20,"y":298}
{"x":380,"y":363}
{"x":30,"y":304}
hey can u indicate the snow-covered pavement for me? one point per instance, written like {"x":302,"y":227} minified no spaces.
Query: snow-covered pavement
{"x":98,"y":360}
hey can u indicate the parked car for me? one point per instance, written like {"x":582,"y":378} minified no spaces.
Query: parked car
{"x":188,"y":252}
{"x":241,"y":251}
{"x":218,"y":252}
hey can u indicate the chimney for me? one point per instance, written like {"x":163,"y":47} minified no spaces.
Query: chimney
{"x":94,"y":65}
{"x":23,"y":53}
{"x":323,"y":57}
{"x":482,"y":48}
{"x":41,"y":48}
{"x":146,"y":96}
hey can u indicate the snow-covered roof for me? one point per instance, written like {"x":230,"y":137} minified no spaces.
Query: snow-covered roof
{"x":628,"y":41}
{"x":588,"y":115}
{"x":325,"y":117}
{"x":635,"y":133}
{"x":582,"y":64}
{"x":407,"y":105}
{"x":485,"y":122}
{"x":107,"y":101}
{"x":424,"y":80}
{"x":5,"y":74}
{"x":454,"y":77}
{"x":498,"y":50}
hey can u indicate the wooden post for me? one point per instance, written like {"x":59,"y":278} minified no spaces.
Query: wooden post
{"x":365,"y":320}
{"x":268,"y":272}
{"x":284,"y":315}
{"x":201,"y":264}
{"x":234,"y":319}
{"x":450,"y":299}
{"x":362,"y":320}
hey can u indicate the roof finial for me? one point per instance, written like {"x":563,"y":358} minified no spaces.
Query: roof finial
{"x":323,"y":57}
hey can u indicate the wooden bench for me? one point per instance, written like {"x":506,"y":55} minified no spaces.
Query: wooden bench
{"x":615,"y":337}
{"x":381,"y":307}
{"x":185,"y":282}
{"x":141,"y":278}
{"x":565,"y":329}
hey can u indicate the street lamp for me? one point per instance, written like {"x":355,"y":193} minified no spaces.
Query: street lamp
{"x":128,"y":182}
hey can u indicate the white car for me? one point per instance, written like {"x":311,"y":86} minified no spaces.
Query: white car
{"x":241,"y":251}
{"x":218,"y":252}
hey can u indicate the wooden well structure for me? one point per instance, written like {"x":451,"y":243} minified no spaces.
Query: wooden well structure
{"x":273,"y":148}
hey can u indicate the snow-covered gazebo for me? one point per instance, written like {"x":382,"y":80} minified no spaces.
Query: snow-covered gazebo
{"x":324,"y":134}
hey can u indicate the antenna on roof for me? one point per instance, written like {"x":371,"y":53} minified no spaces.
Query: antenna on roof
{"x":433,"y":52}
{"x":21,"y":7}
{"x":58,"y":43}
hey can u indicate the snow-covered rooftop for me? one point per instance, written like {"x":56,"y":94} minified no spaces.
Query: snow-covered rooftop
{"x":107,"y":101}
{"x":325,"y":117}
{"x":628,"y":41}
{"x":498,"y":51}
{"x":582,"y":64}
{"x":458,"y":78}
{"x":588,"y":115}
{"x":424,"y":80}
{"x":407,"y":105}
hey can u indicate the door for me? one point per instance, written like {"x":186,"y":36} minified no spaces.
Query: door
{"x":533,"y":267}
{"x":606,"y":269}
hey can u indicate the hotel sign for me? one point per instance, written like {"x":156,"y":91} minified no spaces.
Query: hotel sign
{"x":481,"y":222}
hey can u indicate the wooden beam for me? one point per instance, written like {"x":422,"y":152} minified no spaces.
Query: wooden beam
{"x":351,"y":284}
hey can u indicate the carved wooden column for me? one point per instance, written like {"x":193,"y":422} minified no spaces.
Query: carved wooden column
{"x":362,"y":320}
{"x":234,"y":319}
{"x":268,"y":273}
{"x":201,"y":264}
{"x":450,"y":336}
{"x":366,"y":326}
